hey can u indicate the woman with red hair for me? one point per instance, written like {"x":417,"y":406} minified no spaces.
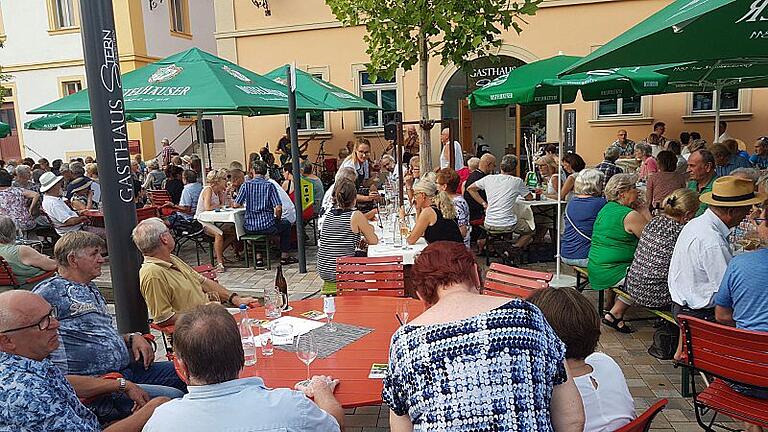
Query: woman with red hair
{"x":490,"y":362}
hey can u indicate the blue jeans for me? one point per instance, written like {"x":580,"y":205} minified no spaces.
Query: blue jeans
{"x":159,"y":380}
{"x":281,"y":228}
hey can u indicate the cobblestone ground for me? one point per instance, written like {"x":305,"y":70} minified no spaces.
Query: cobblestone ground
{"x":649,"y":379}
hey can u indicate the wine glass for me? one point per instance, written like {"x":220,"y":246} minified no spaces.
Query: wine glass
{"x":306,"y":351}
{"x":402,"y":313}
{"x":405,"y":231}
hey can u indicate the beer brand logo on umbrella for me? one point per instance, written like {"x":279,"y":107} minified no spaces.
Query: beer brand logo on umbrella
{"x":281,"y":81}
{"x":164,"y":74}
{"x":235,"y":73}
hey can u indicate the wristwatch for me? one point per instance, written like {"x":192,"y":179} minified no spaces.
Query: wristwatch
{"x":122,"y":383}
{"x":231,"y":296}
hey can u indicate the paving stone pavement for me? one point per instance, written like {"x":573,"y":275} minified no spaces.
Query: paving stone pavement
{"x":648,"y":379}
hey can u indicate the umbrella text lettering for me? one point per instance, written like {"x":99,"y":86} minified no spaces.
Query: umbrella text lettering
{"x":755,"y":12}
{"x":157,"y":91}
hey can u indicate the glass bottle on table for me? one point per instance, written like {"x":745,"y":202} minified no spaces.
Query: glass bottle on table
{"x":246,"y":337}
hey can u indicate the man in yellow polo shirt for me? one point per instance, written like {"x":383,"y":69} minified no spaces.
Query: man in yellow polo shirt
{"x":168,"y":284}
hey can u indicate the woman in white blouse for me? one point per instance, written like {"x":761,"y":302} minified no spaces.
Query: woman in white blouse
{"x":608,"y":405}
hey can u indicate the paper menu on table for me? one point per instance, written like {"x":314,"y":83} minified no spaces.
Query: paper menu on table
{"x":378,"y":371}
{"x":314,"y":315}
{"x":300,"y":325}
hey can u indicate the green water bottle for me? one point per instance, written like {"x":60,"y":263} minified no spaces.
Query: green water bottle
{"x":531,"y":179}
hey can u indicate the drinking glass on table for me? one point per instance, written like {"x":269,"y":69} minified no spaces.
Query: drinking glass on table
{"x":306,"y":351}
{"x":402,"y":313}
{"x":405,"y":231}
{"x":264,"y":337}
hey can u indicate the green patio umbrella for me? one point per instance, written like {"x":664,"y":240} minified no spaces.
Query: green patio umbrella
{"x":51,"y":122}
{"x":686,"y":30}
{"x":538,"y":83}
{"x":5,"y":130}
{"x":322,"y":91}
{"x":693,"y":31}
{"x":192,"y":82}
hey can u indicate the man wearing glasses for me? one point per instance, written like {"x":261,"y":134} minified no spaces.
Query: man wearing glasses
{"x":88,"y":342}
{"x":34,"y":394}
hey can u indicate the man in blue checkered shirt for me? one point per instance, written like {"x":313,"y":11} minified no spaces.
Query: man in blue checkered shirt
{"x":263,"y":211}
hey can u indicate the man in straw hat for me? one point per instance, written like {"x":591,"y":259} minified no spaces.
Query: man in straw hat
{"x":702,"y":251}
{"x":64,"y":219}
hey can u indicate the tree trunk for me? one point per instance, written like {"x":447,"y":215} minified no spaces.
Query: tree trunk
{"x":425,"y":151}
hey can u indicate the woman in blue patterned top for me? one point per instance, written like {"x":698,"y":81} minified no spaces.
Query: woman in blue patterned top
{"x":476,"y":363}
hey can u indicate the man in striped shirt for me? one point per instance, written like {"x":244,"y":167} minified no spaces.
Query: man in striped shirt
{"x":167,"y":152}
{"x":264,"y":211}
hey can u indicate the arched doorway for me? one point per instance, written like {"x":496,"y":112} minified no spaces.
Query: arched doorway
{"x":498,"y":126}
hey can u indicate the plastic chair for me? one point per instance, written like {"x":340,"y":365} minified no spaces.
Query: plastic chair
{"x":381,"y":276}
{"x":7,"y":278}
{"x":146,"y":213}
{"x":730,"y":355}
{"x":643,"y":422}
{"x":158,"y":198}
{"x":509,"y":281}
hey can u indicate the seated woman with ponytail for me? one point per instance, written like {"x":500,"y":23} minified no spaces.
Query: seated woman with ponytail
{"x":435,"y":215}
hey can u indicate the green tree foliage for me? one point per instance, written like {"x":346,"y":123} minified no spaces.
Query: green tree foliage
{"x":404,"y":33}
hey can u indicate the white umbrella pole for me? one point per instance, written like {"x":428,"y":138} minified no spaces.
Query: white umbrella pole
{"x":200,"y":142}
{"x":718,"y":92}
{"x":560,"y":280}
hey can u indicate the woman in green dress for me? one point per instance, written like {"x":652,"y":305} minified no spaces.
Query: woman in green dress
{"x":614,"y":239}
{"x":25,"y":262}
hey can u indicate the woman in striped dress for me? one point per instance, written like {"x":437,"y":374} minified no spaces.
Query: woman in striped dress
{"x":342,"y":229}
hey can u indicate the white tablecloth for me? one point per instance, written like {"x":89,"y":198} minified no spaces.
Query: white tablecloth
{"x":387,"y":248}
{"x":234,"y":216}
{"x":543,"y":202}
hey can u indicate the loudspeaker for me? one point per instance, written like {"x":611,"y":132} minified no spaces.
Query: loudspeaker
{"x":391,"y":118}
{"x":207,"y":131}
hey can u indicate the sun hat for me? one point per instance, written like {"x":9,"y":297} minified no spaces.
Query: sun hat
{"x":49,"y":180}
{"x":80,"y":183}
{"x":730,"y":191}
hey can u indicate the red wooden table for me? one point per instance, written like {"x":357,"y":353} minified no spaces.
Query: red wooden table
{"x":351,"y":364}
{"x":97,"y":216}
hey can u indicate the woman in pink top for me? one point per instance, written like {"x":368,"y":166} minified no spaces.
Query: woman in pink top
{"x":664,"y":182}
{"x":647,"y":162}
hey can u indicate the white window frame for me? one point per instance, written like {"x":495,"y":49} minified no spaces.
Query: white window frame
{"x":619,"y":113}
{"x":69,"y":15}
{"x":322,"y":74}
{"x":738,"y":108}
{"x":377,"y":88}
{"x":77,"y":83}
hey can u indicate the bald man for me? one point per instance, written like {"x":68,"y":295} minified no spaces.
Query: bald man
{"x":34,"y":394}
{"x":458,"y":162}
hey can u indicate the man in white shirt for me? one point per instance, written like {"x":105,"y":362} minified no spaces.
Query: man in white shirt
{"x":458,"y":162}
{"x":702,"y":251}
{"x":289,"y":210}
{"x":503,"y":191}
{"x":64,"y":219}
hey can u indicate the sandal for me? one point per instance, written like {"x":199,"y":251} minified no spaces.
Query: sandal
{"x":288,"y":260}
{"x":259,"y":262}
{"x":626,"y":329}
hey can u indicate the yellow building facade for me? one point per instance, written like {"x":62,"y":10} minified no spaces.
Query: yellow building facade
{"x":307,"y":33}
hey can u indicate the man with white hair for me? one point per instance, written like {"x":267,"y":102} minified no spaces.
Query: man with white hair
{"x":608,"y":166}
{"x":89,"y":343}
{"x":24,"y":178}
{"x":34,"y":393}
{"x":168,"y":284}
{"x":458,"y":162}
